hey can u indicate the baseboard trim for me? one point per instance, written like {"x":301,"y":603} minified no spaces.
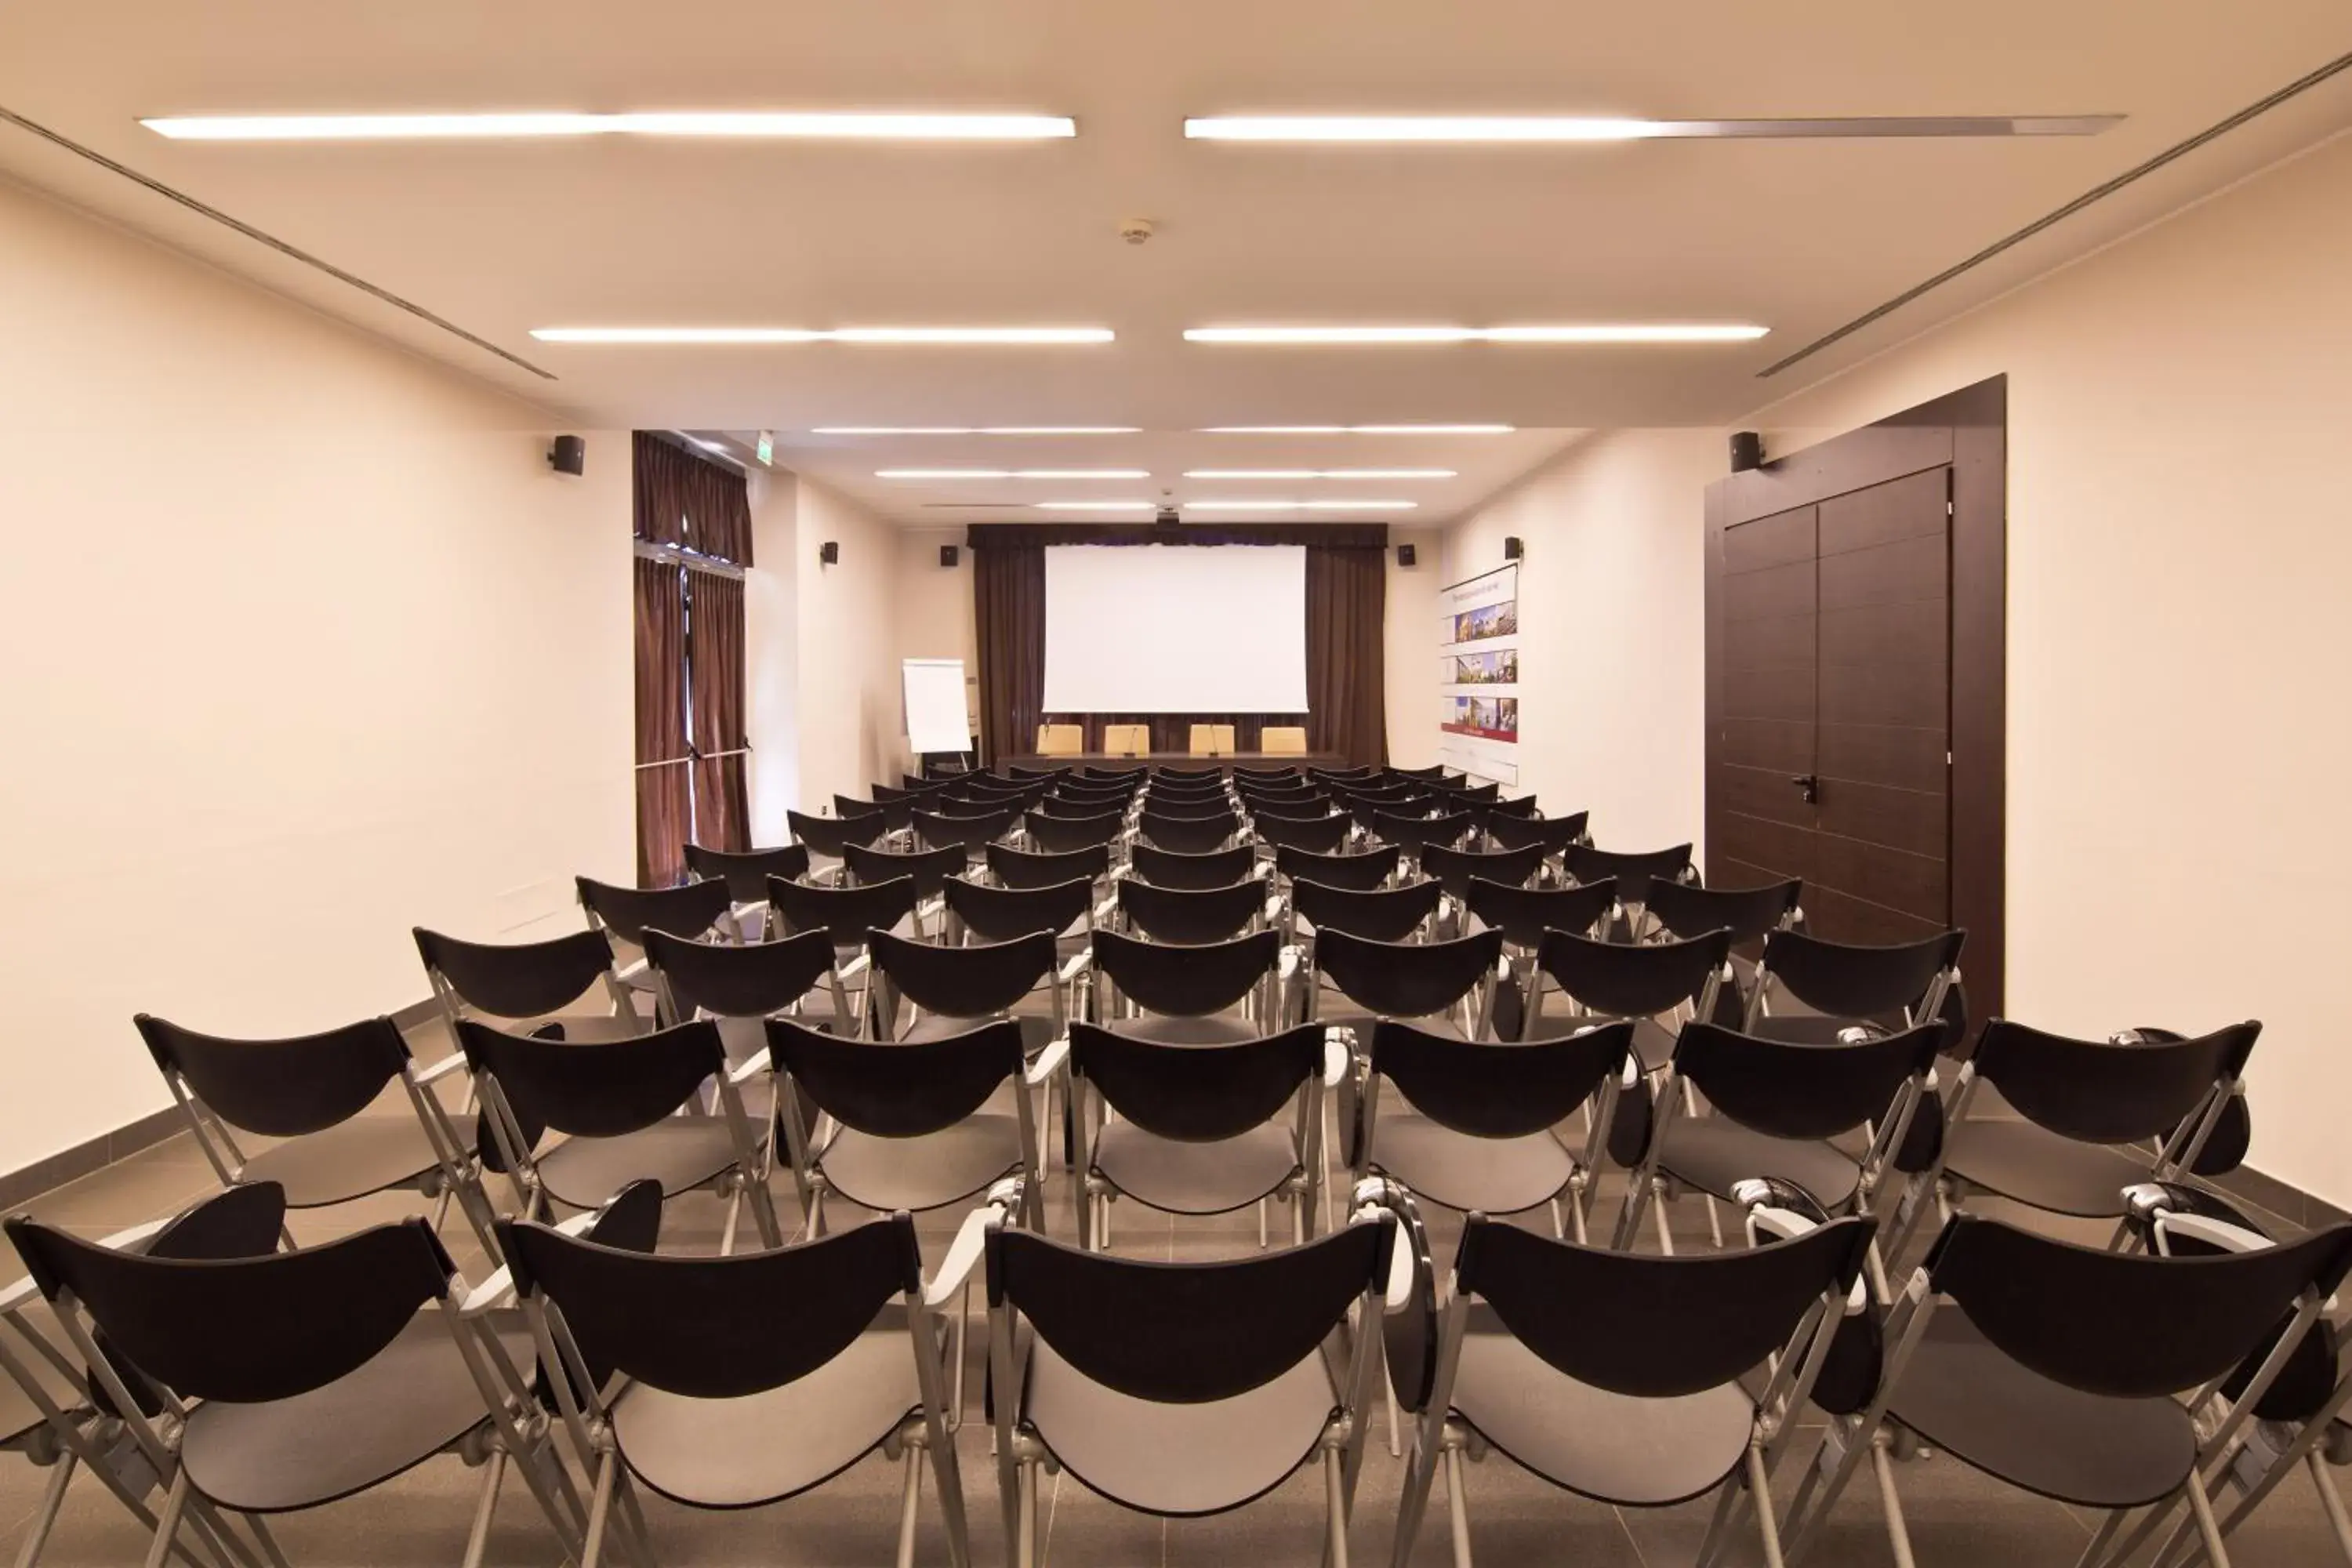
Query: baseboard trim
{"x":2288,"y":1202}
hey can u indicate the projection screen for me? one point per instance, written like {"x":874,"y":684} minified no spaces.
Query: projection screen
{"x":1176,"y":628}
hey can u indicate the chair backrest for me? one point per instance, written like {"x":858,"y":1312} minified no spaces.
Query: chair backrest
{"x":1359,"y":873}
{"x":1486,"y":1091}
{"x":1127,"y":740}
{"x":937,"y":829}
{"x":688,"y":909}
{"x":1281,"y":777}
{"x":1109,"y":790}
{"x":717,"y":1328}
{"x":1634,"y":869}
{"x":518,"y":979}
{"x":1521,"y":806}
{"x":732,"y":980}
{"x":1554,"y":833}
{"x":2101,"y":1093}
{"x":1382,"y":914}
{"x":1062,"y":834}
{"x":1028,"y":868}
{"x":1186,"y":836}
{"x":1297,"y":803}
{"x":1020,"y":775}
{"x":1213,"y":739}
{"x":999,"y":914}
{"x":845,"y":806}
{"x":907,"y":1090}
{"x":1747,"y":913}
{"x":1435,"y":771}
{"x":746,"y":875}
{"x":978,"y":982}
{"x":1406,"y":980}
{"x":595,"y":1091}
{"x":1524,"y":914}
{"x":1650,"y":1327}
{"x":1185,"y":791}
{"x":1186,"y":1334}
{"x":929,"y":869}
{"x":827,"y":834}
{"x":1197,"y":1093}
{"x":280,"y":1088}
{"x":1318,"y":835}
{"x":847,"y":913}
{"x":1190,"y":914}
{"x":1414,"y":832}
{"x":245,"y":1329}
{"x":1180,"y":869}
{"x":1061,"y":740}
{"x":1187,"y":982}
{"x":1454,"y":868}
{"x":2127,"y":1325}
{"x":1077,"y":807}
{"x":1802,"y":1091}
{"x":1283,"y":739}
{"x":1187,"y":775}
{"x":1845,"y":980}
{"x":1620,"y":980}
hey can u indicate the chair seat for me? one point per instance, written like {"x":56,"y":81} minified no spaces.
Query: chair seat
{"x":1961,"y":1394}
{"x":739,"y":1453}
{"x":1219,"y":1030}
{"x":412,"y":1399}
{"x":1492,"y":1175}
{"x":1713,"y":1153}
{"x":1177,"y":1460}
{"x":2016,"y":1158}
{"x":582,"y":1028}
{"x":1442,"y":1024}
{"x":681,"y":1153}
{"x":1196,"y":1178}
{"x":367,"y":1153}
{"x":924,"y":1173}
{"x":1612,"y":1448}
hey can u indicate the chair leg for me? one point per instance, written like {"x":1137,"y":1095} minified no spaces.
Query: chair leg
{"x":2332,"y":1502}
{"x":1890,"y":1503}
{"x":910,"y":1497}
{"x":1658,"y":1216}
{"x":1558,"y":1221}
{"x":1759,"y":1487}
{"x":1024,"y":1542}
{"x":175,"y":1502}
{"x":45,"y":1518}
{"x":2203,"y":1507}
{"x":1260,"y":1225}
{"x":478,"y":1539}
{"x":2103,"y":1537}
{"x":1457,"y":1507}
{"x":1334,"y":1501}
{"x":600,"y":1509}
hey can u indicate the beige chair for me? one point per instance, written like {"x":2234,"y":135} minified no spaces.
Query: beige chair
{"x":1061,"y":740}
{"x":1213,"y":739}
{"x":1127,"y":740}
{"x":1283,"y":741}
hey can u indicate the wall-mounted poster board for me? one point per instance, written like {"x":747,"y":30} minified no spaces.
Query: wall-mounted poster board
{"x":1478,"y":676}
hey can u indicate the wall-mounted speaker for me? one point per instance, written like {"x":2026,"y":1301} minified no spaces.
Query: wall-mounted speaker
{"x":568,"y":456}
{"x":829,"y":552}
{"x":1404,"y":555}
{"x":1512,"y":548}
{"x":1747,"y":451}
{"x":948,"y":555}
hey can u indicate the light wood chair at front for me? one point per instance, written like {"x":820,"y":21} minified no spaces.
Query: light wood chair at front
{"x":1061,"y":740}
{"x":1283,"y":741}
{"x":1213,"y":739}
{"x":1127,"y":740}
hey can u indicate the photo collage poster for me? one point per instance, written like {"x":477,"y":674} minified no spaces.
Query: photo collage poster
{"x":1478,"y":653}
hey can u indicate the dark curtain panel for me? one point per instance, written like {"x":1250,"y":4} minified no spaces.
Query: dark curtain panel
{"x":1347,"y":652}
{"x":662,"y":789}
{"x":722,"y":809}
{"x":681,"y":499}
{"x":1009,"y":622}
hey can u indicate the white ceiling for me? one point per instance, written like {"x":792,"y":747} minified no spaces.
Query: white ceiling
{"x":1801,"y":237}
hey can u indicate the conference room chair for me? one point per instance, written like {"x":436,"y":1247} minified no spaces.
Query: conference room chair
{"x":746,"y":875}
{"x":1657,"y":985}
{"x":1448,"y":987}
{"x":1406,"y":912}
{"x":1051,"y":773}
{"x":924,"y":786}
{"x":1516,"y":805}
{"x":1066,"y":835}
{"x":1212,"y":741}
{"x":1412,"y":832}
{"x":1283,"y":741}
{"x":1208,"y":793}
{"x":1625,"y":1379}
{"x":1454,"y":868}
{"x":823,"y":837}
{"x":315,"y":1098}
{"x":1285,"y":775}
{"x":1191,"y":915}
{"x":1190,"y":808}
{"x":626,"y":914}
{"x":1214,"y":867}
{"x":973,"y":833}
{"x":929,"y":868}
{"x":746,"y":1381}
{"x":1183,"y":1389}
{"x":984,"y":796}
{"x":1524,"y":913}
{"x":1017,"y":868}
{"x":1179,"y":776}
{"x":1484,"y":794}
{"x":530,"y":983}
{"x":1357,"y":792}
{"x":1127,"y":740}
{"x":1201,"y":1130}
{"x":1635,"y":871}
{"x":1346,"y":775}
{"x":1771,"y":1109}
{"x":1205,"y":994}
{"x":2095,"y":1378}
{"x":1476,"y":1127}
{"x":1303,"y":801}
{"x":1555,"y":834}
{"x":897,"y":816}
{"x":845,"y":913}
{"x":1373,"y":867}
{"x":275,"y":1382}
{"x":1061,"y":740}
{"x":1316,"y":835}
{"x":739,"y":986}
{"x":1187,"y":836}
{"x":1078,"y":808}
{"x":985,"y":912}
{"x":922,"y":990}
{"x":1686,"y":910}
{"x":1433,"y":773}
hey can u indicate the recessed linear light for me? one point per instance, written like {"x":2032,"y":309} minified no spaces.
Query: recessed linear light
{"x":1357,"y":430}
{"x":804,"y":126}
{"x":1320,"y":473}
{"x":1300,"y":505}
{"x":1012,"y":473}
{"x":707,"y":336}
{"x":977,"y":430}
{"x":1093,"y":505}
{"x":1591,"y":333}
{"x":1553,"y":128}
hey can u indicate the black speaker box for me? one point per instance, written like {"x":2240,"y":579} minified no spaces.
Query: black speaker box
{"x":568,"y":456}
{"x":948,"y":556}
{"x":1512,"y":548}
{"x":1404,"y":555}
{"x":1747,"y":451}
{"x":829,"y":552}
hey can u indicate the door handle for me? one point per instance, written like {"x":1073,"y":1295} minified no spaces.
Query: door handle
{"x":1809,"y":785}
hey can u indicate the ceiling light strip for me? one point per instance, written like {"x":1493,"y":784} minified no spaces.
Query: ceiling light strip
{"x":943,"y":474}
{"x":705,"y":337}
{"x":765,"y":124}
{"x":1554,"y":128}
{"x":976,"y":430}
{"x":1357,"y":430}
{"x":1284,"y":474}
{"x":1569,"y":333}
{"x":1319,"y":505}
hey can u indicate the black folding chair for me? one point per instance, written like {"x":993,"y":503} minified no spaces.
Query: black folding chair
{"x":1383,"y":914}
{"x":1181,"y":868}
{"x":1657,"y":983}
{"x":1185,"y":836}
{"x":824,"y":836}
{"x":1028,"y":868}
{"x":945,"y":990}
{"x":529,"y":983}
{"x":846,"y":914}
{"x":1064,"y":835}
{"x":1450,"y":985}
{"x":1362,"y":873}
{"x":1635,"y":871}
{"x":746,"y":875}
{"x":985,"y":912}
{"x":1154,"y":991}
{"x":626,"y":914}
{"x":1454,"y":868}
{"x":1555,"y":834}
{"x":1191,"y":914}
{"x":1318,"y":834}
{"x":738,"y":984}
{"x":1843,"y":985}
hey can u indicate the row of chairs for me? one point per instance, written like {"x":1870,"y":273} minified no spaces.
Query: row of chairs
{"x":1135,"y":740}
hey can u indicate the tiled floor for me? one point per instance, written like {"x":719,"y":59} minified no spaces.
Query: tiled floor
{"x":1956,"y":1516}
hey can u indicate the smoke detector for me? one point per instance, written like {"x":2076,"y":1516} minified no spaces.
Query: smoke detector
{"x":1136,"y":230}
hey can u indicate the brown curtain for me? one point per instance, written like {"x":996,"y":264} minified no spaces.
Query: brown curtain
{"x":1347,"y":652}
{"x":722,"y":809}
{"x":1008,"y":592}
{"x":681,"y":499}
{"x":662,"y":787}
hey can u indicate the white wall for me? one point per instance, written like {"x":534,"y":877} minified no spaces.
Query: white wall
{"x":2179,"y":546}
{"x":1411,"y":677}
{"x":935,"y":609}
{"x":306,"y":644}
{"x":1612,"y":629}
{"x":852,"y":726}
{"x":772,"y":655}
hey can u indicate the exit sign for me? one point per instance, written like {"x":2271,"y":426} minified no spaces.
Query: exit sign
{"x":767,"y":447}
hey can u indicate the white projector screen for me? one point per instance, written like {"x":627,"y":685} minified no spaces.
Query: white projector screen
{"x":1176,"y":628}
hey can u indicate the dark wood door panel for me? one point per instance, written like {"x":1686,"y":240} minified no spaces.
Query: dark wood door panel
{"x":1769,"y":639}
{"x":1770,"y":691}
{"x":1785,"y":746}
{"x":1779,"y":848}
{"x":1913,"y":695}
{"x":1761,"y":791}
{"x":1910,"y":571}
{"x":1879,"y":753}
{"x":1899,"y":819}
{"x":1774,"y":591}
{"x":1908,"y":507}
{"x":1840,"y":917}
{"x":1770,"y":541}
{"x":1919,"y":885}
{"x":1913,"y":632}
{"x":1732,"y":874}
